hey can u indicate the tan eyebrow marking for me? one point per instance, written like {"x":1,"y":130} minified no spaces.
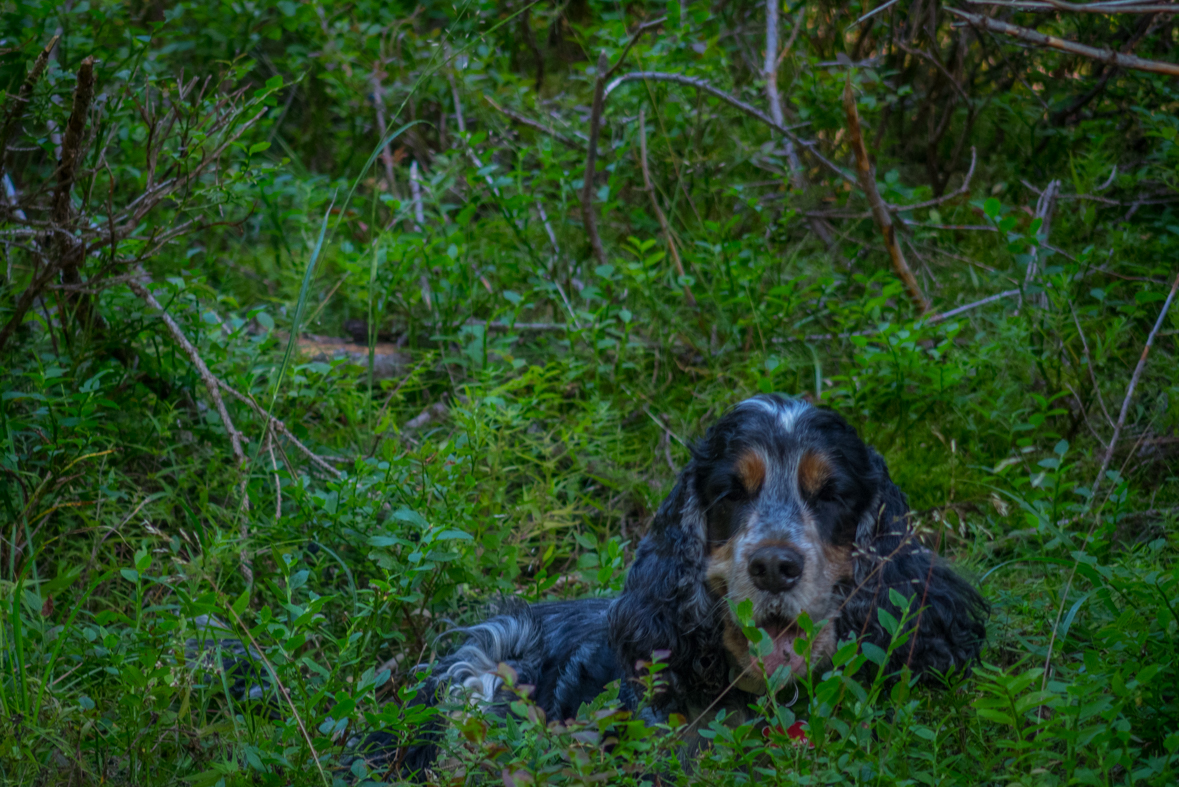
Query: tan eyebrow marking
{"x":813,"y":471}
{"x":751,"y":469}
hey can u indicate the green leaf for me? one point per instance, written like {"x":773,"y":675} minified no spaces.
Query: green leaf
{"x":992,"y":207}
{"x":450,"y":535}
{"x":997,"y":716}
{"x":874,"y":653}
{"x":239,"y":605}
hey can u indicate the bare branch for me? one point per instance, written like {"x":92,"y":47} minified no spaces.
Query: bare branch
{"x":211,"y":382}
{"x":733,"y":101}
{"x":588,"y":215}
{"x":1072,"y":47}
{"x":634,"y":38}
{"x":1084,"y":8}
{"x":16,"y":109}
{"x":71,"y":143}
{"x":278,"y":427}
{"x":943,"y":316}
{"x":415,"y":193}
{"x":879,"y":208}
{"x":379,"y":106}
{"x":1113,"y":441}
{"x":211,"y":385}
{"x":770,"y":73}
{"x":963,"y":189}
{"x":537,"y":126}
{"x":1045,"y":206}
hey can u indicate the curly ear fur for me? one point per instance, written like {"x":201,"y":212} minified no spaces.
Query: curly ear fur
{"x":665,"y":605}
{"x":947,"y":615}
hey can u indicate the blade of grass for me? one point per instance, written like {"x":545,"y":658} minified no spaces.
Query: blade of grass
{"x":300,"y":304}
{"x":18,"y":644}
{"x":47,"y":673}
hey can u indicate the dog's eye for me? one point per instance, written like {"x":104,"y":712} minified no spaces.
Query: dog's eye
{"x":828,"y":492}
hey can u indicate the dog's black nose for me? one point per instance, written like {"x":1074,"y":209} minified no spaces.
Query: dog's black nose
{"x":775,"y":568}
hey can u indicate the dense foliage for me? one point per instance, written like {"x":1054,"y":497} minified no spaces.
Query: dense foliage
{"x":478,"y":401}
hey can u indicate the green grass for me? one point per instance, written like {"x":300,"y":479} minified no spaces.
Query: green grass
{"x":570,"y":390}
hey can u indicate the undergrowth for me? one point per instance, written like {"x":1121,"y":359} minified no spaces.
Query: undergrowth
{"x":513,"y":409}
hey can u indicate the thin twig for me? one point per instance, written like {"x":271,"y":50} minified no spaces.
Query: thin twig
{"x":17,"y":104}
{"x":1089,"y":363}
{"x":963,"y":189}
{"x":663,"y":225}
{"x":1045,"y":206}
{"x":386,"y":154}
{"x":71,"y":153}
{"x":1084,"y":8}
{"x":279,"y":427}
{"x":415,"y":192}
{"x":1113,"y":441}
{"x":553,"y":277}
{"x":955,"y":312}
{"x":1134,"y":383}
{"x":537,"y":126}
{"x":588,"y":216}
{"x":211,"y":385}
{"x":634,"y":38}
{"x":733,"y":101}
{"x":879,"y":208}
{"x":1107,"y":56}
{"x":277,"y":481}
{"x":282,"y":689}
{"x":770,"y":72}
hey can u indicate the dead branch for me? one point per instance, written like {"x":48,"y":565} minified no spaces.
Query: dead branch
{"x":963,"y":189}
{"x":588,"y":216}
{"x":1084,"y":8}
{"x":536,"y":126}
{"x":634,"y":39}
{"x":1113,"y":441}
{"x":386,"y":154}
{"x":278,"y":427}
{"x":879,"y":208}
{"x":1107,"y":56}
{"x":211,"y":382}
{"x":1089,"y":364}
{"x":71,"y":144}
{"x":1045,"y":206}
{"x":415,"y":194}
{"x":797,"y":173}
{"x":943,"y":316}
{"x":18,"y":103}
{"x":211,"y":385}
{"x":733,"y":101}
{"x":663,"y":225}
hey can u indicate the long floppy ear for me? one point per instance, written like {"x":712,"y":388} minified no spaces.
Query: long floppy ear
{"x":665,"y":604}
{"x":947,"y":616}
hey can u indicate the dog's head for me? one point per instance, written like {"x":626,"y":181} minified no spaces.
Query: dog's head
{"x":783,"y":487}
{"x":784,"y":505}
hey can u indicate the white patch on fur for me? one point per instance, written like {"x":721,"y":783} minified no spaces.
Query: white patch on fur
{"x":473,"y":673}
{"x":787,"y":411}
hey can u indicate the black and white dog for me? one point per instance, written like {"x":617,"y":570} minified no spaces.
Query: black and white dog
{"x":781,"y":504}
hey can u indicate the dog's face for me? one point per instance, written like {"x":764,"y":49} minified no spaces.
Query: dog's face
{"x":783,"y":488}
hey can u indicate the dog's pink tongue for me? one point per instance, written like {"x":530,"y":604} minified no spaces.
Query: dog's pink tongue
{"x":782,"y":655}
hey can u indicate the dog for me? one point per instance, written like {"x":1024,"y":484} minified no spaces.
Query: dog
{"x":781,"y":505}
